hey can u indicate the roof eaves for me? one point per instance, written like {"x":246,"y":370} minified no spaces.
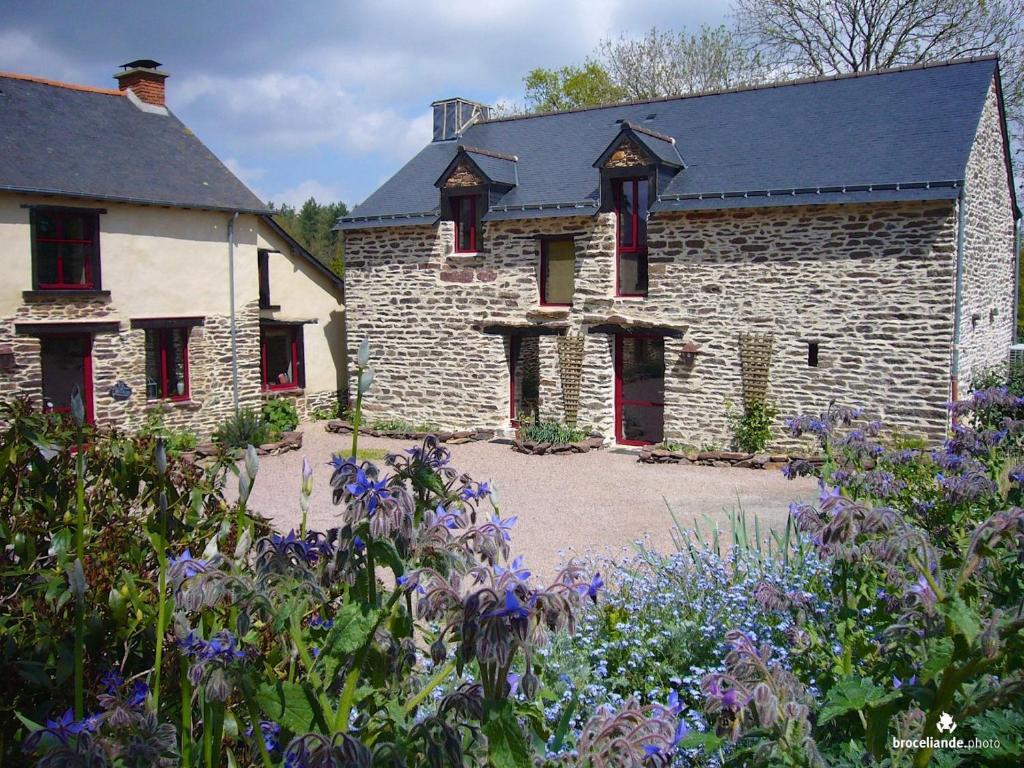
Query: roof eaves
{"x":386,"y":220}
{"x":298,"y":248}
{"x":130,"y":200}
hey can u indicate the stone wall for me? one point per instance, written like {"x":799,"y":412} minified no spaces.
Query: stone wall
{"x":121,"y":356}
{"x":988,"y":280}
{"x":873,"y":285}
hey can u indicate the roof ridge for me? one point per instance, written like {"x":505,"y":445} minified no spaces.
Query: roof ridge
{"x":745,"y":88}
{"x":60,"y":84}
{"x":653,"y":134}
{"x":488,"y":152}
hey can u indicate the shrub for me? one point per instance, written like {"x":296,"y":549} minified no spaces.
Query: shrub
{"x":176,"y":440}
{"x":401,"y":425}
{"x":752,"y":427}
{"x":554,"y":432}
{"x":280,"y":416}
{"x":247,"y":427}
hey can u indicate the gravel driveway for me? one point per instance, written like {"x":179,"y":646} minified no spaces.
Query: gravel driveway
{"x":598,"y":502}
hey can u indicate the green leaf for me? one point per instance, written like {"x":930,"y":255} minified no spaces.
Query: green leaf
{"x":853,"y":694}
{"x":384,"y":551}
{"x":350,"y":631}
{"x":1002,"y":726}
{"x":709,"y":742}
{"x":963,"y":618}
{"x":290,"y":704}
{"x":506,"y":744}
{"x":937,"y":656}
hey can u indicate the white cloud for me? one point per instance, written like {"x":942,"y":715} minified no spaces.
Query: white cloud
{"x":21,"y":52}
{"x":301,"y":192}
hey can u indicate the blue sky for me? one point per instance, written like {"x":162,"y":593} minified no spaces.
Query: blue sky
{"x":323,"y":98}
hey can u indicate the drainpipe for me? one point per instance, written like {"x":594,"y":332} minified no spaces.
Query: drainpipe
{"x":234,"y":327}
{"x":954,"y":378}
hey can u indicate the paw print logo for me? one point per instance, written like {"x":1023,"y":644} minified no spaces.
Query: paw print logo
{"x":946,"y":723}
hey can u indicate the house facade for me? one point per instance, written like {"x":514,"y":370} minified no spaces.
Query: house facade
{"x":140,"y":270}
{"x":646,"y":267}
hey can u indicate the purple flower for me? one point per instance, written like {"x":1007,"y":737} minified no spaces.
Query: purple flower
{"x":269,"y":730}
{"x":370,"y":491}
{"x":358,"y":543}
{"x":513,"y":608}
{"x":517,"y":569}
{"x":504,"y":525}
{"x":185,"y":566}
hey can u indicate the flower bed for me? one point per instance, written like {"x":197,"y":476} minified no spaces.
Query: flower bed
{"x":342,"y":427}
{"x":653,"y":455}
{"x":288,"y":441}
{"x":537,"y":448}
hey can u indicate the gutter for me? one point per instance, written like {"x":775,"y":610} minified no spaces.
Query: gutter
{"x":234,"y":326}
{"x":954,"y":378}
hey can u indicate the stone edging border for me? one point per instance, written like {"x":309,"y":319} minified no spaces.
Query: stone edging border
{"x":724,"y":458}
{"x":340,"y":427}
{"x":540,"y":449}
{"x":289,"y":441}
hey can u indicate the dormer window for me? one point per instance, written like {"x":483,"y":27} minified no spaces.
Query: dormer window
{"x":466,"y":212}
{"x":631,"y":201}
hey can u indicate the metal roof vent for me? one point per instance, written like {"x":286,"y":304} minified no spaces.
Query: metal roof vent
{"x":453,"y":116}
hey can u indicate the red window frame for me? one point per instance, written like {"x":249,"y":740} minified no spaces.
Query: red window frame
{"x":544,"y":271}
{"x":295,"y":346}
{"x":91,"y":266}
{"x":638,"y":239}
{"x":165,"y":349}
{"x":87,"y":383}
{"x":455,"y":201}
{"x":621,"y":401}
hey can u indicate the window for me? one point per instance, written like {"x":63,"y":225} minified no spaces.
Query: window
{"x":65,"y":249}
{"x":281,"y":356}
{"x":557,"y":272}
{"x":66,"y":361}
{"x":812,"y":354}
{"x":631,"y":236}
{"x":167,"y":363}
{"x":466,"y":214}
{"x":263,"y":266}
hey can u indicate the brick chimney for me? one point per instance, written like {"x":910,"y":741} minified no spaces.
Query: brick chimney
{"x":143,"y":78}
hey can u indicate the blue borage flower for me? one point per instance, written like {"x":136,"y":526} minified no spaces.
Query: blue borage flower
{"x":269,"y":730}
{"x":516,"y":569}
{"x":504,"y":525}
{"x":185,"y":566}
{"x":222,"y":647}
{"x":475,"y":491}
{"x":370,"y":492}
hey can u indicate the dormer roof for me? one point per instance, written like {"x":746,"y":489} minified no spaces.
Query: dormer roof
{"x":636,"y":145}
{"x":472,"y":166}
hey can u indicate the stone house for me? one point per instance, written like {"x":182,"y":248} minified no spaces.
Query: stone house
{"x":139,"y":269}
{"x":645,"y":267}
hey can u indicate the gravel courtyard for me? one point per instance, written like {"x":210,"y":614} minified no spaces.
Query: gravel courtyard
{"x":597,"y":502}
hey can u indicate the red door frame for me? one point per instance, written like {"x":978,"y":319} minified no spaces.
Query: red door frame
{"x":620,"y":401}
{"x":87,"y":383}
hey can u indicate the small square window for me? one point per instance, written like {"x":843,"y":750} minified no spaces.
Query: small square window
{"x":812,"y":354}
{"x":167,"y":363}
{"x":65,"y":249}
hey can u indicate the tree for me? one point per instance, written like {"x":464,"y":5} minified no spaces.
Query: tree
{"x":570,"y":87}
{"x":664,"y":63}
{"x":312,"y":226}
{"x":822,"y":37}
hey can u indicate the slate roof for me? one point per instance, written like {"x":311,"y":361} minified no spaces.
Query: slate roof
{"x":891,"y":135}
{"x":95,"y":143}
